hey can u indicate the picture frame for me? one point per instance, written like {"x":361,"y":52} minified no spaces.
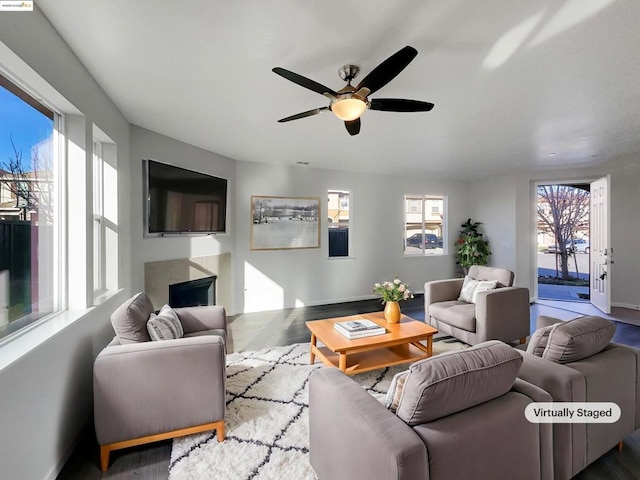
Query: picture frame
{"x":284,"y":223}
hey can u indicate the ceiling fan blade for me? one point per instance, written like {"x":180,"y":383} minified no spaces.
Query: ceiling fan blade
{"x":353,"y":127}
{"x":388,"y":70}
{"x":399,"y":105}
{"x":304,"y":81}
{"x":308,"y":113}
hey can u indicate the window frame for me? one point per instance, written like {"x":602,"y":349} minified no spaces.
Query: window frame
{"x":342,"y":193}
{"x":408,"y":206}
{"x":58,"y":273}
{"x":99,"y":256}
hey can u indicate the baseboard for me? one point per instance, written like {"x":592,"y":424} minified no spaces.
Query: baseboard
{"x":312,"y":304}
{"x":339,"y":300}
{"x":359,"y":298}
{"x":625,"y":305}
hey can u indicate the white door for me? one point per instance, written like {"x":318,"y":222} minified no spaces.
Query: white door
{"x":600,"y":245}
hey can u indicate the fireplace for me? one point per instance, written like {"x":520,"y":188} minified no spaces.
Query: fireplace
{"x":193,"y":292}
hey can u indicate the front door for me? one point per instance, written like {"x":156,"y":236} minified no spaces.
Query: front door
{"x":600,"y":245}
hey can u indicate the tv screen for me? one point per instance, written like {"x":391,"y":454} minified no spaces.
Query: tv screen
{"x":184,"y":201}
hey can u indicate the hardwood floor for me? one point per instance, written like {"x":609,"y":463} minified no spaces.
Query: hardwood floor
{"x":254,"y":331}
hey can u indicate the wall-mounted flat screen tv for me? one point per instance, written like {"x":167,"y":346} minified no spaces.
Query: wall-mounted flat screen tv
{"x":183,"y":201}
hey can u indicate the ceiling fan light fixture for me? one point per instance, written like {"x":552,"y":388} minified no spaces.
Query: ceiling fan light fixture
{"x":350,"y":102}
{"x":348,"y":107}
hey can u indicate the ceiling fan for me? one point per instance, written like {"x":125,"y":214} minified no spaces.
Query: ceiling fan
{"x":350,"y":102}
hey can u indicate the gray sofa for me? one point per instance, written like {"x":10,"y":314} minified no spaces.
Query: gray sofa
{"x":146,"y":391}
{"x":584,"y":367}
{"x":460,"y":416}
{"x":498,"y":314}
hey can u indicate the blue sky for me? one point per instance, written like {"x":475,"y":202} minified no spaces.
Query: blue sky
{"x":26,"y":125}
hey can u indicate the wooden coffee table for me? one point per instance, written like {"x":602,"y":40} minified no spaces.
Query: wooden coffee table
{"x":401,"y":344}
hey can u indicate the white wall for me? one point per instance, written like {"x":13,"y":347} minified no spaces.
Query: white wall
{"x":150,"y":145}
{"x":508,"y":213}
{"x":47,"y":395}
{"x":266,"y":280}
{"x":492,"y":204}
{"x":625,"y":233}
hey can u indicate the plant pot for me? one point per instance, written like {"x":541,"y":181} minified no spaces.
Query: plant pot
{"x":392,"y":312}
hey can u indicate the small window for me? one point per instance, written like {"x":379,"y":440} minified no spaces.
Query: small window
{"x":98,"y":219}
{"x":413,"y":205}
{"x":105,"y":214}
{"x":424,"y":227}
{"x":338,"y":223}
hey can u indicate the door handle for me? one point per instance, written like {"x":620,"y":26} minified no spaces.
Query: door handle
{"x":604,"y":274}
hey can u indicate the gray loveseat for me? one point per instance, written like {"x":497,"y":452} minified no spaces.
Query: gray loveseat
{"x":146,"y":391}
{"x":460,"y":416}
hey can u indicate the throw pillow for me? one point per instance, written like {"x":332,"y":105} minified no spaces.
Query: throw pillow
{"x":130,"y":319}
{"x":577,"y":339}
{"x":165,"y":325}
{"x":454,"y":381}
{"x":471,"y":288}
{"x":538,"y":341}
{"x":395,"y":391}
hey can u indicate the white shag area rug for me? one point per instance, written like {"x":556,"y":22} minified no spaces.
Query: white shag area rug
{"x":267,"y":427}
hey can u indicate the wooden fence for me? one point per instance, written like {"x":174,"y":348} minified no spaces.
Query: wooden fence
{"x":15,"y":257}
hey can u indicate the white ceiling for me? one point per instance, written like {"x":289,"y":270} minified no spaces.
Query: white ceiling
{"x":513,"y":81}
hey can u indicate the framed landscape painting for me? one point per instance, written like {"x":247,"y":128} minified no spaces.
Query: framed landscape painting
{"x":279,"y":223}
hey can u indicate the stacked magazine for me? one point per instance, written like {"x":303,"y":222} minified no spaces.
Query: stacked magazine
{"x":359,"y":329}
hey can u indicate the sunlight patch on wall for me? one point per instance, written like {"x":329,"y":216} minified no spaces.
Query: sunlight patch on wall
{"x":260,"y":292}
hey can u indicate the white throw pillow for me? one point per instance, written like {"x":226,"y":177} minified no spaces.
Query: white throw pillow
{"x":165,"y":325}
{"x":471,"y":288}
{"x":392,"y":399}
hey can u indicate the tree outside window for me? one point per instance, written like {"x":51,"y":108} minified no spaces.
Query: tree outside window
{"x":563,"y":214}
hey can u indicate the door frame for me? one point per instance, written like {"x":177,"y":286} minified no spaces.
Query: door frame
{"x":534,"y":222}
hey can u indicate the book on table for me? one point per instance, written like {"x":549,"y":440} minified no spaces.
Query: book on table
{"x":359,"y":329}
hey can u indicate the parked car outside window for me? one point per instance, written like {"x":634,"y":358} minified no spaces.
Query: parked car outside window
{"x":430,"y":240}
{"x":579,"y":245}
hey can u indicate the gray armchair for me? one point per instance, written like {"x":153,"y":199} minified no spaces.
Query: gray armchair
{"x":460,"y":416}
{"x":499,"y":314}
{"x":146,"y":391}
{"x":611,"y":374}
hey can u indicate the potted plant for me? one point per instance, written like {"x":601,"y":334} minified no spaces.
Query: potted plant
{"x":471,"y":247}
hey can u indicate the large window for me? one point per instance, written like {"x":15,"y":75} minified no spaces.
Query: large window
{"x":29,"y":209}
{"x":338,"y":223}
{"x":424,"y":225}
